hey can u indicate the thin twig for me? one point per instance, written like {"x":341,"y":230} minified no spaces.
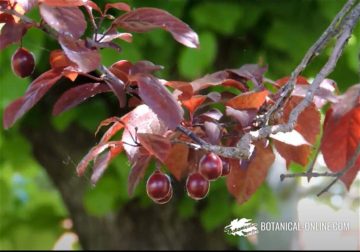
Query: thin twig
{"x":308,"y":174}
{"x":348,"y":166}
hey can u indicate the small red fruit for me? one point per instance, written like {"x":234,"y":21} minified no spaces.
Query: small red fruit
{"x":197,"y":186}
{"x":158,"y":186}
{"x":22,"y":62}
{"x":166,"y":199}
{"x":226,"y":167}
{"x":210,"y":166}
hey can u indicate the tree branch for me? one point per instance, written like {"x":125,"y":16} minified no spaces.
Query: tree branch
{"x":314,"y":51}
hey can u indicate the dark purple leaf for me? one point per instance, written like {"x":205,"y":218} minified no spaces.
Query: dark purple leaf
{"x":213,"y":114}
{"x":146,"y":19}
{"x":144,"y":67}
{"x":67,"y":21}
{"x":156,"y":145}
{"x":213,"y":132}
{"x":118,"y":87}
{"x":34,"y":93}
{"x":159,"y":99}
{"x":77,"y":95}
{"x":244,"y":117}
{"x":11,"y":32}
{"x":251,"y":72}
{"x":138,"y":169}
{"x":208,"y":80}
{"x":85,"y":58}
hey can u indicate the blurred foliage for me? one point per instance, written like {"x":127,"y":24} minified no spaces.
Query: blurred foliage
{"x":232,"y":33}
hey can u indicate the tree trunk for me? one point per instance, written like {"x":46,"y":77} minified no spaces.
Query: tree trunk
{"x":133,"y":227}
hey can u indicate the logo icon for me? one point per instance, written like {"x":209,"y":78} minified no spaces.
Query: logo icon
{"x":241,"y":227}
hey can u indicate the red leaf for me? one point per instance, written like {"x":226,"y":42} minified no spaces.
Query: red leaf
{"x":185,"y":88}
{"x":156,"y":145}
{"x":146,"y":19}
{"x":63,"y":3}
{"x":298,"y":154}
{"x":119,"y":6}
{"x":103,"y":161}
{"x":34,"y":93}
{"x":177,"y":160}
{"x":93,"y":153}
{"x":140,"y":120}
{"x":118,"y":124}
{"x":159,"y":99}
{"x":308,"y":123}
{"x":77,"y":95}
{"x":242,"y":182}
{"x":342,"y":134}
{"x":249,"y":100}
{"x":194,"y":102}
{"x":67,"y":21}
{"x":11,"y":33}
{"x":138,"y":168}
{"x":86,"y":59}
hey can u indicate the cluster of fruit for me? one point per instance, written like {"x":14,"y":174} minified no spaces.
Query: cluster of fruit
{"x":211,"y":167}
{"x":22,"y":62}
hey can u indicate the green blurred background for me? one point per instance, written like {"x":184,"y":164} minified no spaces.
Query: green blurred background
{"x":34,"y":211}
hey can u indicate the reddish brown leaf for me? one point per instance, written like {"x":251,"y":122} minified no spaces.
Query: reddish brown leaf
{"x":308,"y":123}
{"x":159,"y":99}
{"x":291,"y":153}
{"x":67,"y":21}
{"x":184,"y":87}
{"x":11,"y":33}
{"x":103,"y":161}
{"x":235,"y":84}
{"x":63,"y":3}
{"x":249,"y":100}
{"x":76,"y":95}
{"x":242,"y":182}
{"x":194,"y":102}
{"x":58,"y":60}
{"x":156,"y":145}
{"x":138,"y":168}
{"x":140,"y":120}
{"x":86,"y":59}
{"x":299,"y":80}
{"x":34,"y":93}
{"x":93,"y":153}
{"x":118,"y":6}
{"x":146,"y":19}
{"x":177,"y":160}
{"x":342,"y":134}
